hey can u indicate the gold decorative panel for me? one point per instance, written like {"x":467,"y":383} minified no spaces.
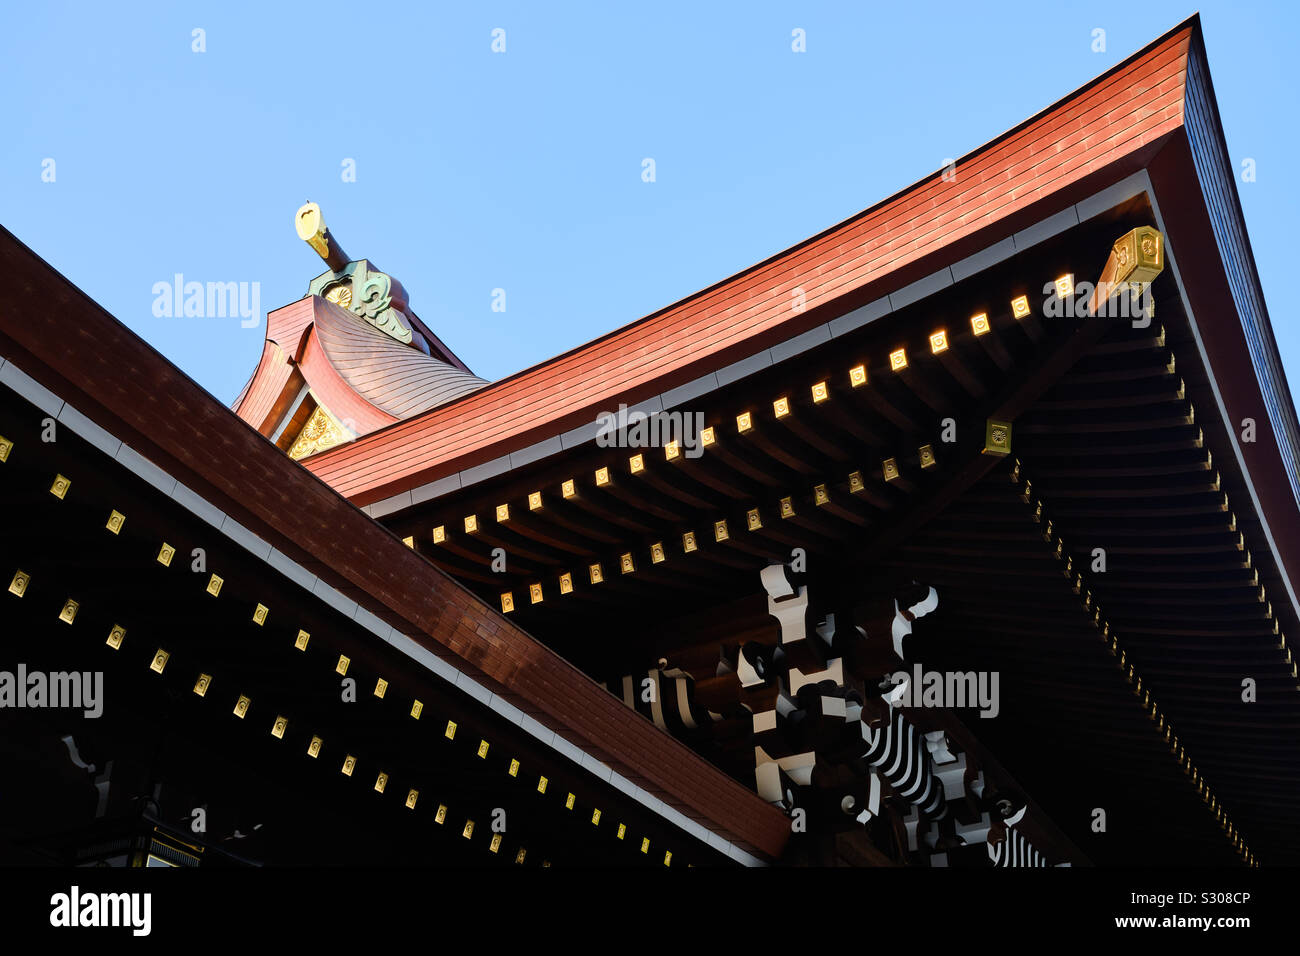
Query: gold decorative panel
{"x":320,"y":433}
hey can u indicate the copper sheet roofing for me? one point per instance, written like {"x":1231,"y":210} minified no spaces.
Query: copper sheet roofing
{"x":1084,"y":142}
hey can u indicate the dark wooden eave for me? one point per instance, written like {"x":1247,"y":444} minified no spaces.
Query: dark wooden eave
{"x":73,"y":347}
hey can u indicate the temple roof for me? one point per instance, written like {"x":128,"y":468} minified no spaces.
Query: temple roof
{"x":348,"y":359}
{"x":1092,"y":138}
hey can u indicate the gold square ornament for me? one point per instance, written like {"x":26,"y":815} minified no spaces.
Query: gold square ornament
{"x":69,"y":612}
{"x":997,"y":438}
{"x":60,"y":487}
{"x":116,"y":636}
{"x":160,"y":659}
{"x":115,"y":521}
{"x":18,"y":586}
{"x":214,"y":585}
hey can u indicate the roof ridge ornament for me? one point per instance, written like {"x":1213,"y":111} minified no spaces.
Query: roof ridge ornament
{"x":356,"y":285}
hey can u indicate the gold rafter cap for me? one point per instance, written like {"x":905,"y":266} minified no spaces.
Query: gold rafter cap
{"x":312,"y":230}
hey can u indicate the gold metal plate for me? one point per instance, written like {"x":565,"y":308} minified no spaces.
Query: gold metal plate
{"x":657,"y":552}
{"x":214,"y":585}
{"x":411,"y":797}
{"x":507,"y":602}
{"x":381,"y":688}
{"x":450,"y":732}
{"x":381,"y":782}
{"x":279,"y":727}
{"x":752,"y":519}
{"x":6,"y":446}
{"x":300,"y":642}
{"x":60,"y":487}
{"x":626,"y":564}
{"x":596,"y":574}
{"x":69,"y":612}
{"x":566,"y":583}
{"x":241,"y":706}
{"x":997,"y":437}
{"x":165,"y":554}
{"x":160,"y":659}
{"x":514,"y":768}
{"x":115,"y":521}
{"x":349,"y":764}
{"x":18,"y":586}
{"x":416,"y":709}
{"x":535,"y":593}
{"x":688,"y":542}
{"x":482,"y":748}
{"x":313,"y":748}
{"x":469,"y":829}
{"x":201,"y":685}
{"x":341,"y":668}
{"x":720,"y":532}
{"x":858,"y":376}
{"x":116,"y":636}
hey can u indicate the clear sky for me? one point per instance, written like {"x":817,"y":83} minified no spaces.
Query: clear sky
{"x":522,"y":170}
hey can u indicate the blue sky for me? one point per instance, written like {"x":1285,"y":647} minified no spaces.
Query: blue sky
{"x":522,"y":171}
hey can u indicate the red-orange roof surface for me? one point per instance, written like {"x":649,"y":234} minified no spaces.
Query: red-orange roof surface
{"x":1087,"y":136}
